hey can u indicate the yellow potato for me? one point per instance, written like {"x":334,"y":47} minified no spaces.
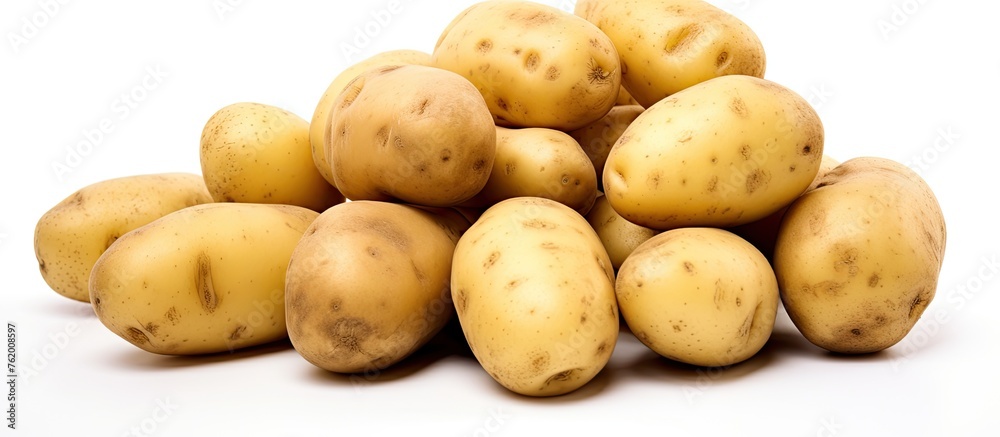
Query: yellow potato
{"x":205,"y":279}
{"x":539,"y":162}
{"x":599,"y":137}
{"x":317,"y":127}
{"x":858,"y":257}
{"x":700,"y":296}
{"x":722,"y":153}
{"x":669,"y":45}
{"x":620,"y":237}
{"x":763,"y":233}
{"x":368,"y":284}
{"x":536,"y":66}
{"x":254,"y":153}
{"x":413,"y":133}
{"x":624,"y":98}
{"x":534,"y":293}
{"x":73,"y":234}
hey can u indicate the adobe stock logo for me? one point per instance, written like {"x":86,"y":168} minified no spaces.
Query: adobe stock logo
{"x":34,"y":23}
{"x":365,"y":33}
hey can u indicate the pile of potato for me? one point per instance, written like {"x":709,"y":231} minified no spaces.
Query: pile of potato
{"x":473,"y":174}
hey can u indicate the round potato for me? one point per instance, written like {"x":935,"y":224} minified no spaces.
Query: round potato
{"x":700,"y":296}
{"x":536,"y":66}
{"x":763,"y":233}
{"x":599,"y":137}
{"x":534,"y":293}
{"x":539,"y":162}
{"x":669,"y":45}
{"x":858,"y":257}
{"x":205,"y":279}
{"x":254,"y":153}
{"x":413,"y":133}
{"x":620,"y":237}
{"x":369,"y":284}
{"x":318,"y":126}
{"x":71,"y":236}
{"x":722,"y":153}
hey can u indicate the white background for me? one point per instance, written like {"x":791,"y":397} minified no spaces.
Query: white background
{"x":886,"y":93}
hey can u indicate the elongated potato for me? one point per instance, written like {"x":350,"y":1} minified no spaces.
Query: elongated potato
{"x":205,"y":279}
{"x":669,"y":45}
{"x":858,"y":258}
{"x":369,"y":284}
{"x":254,"y":153}
{"x":73,"y":234}
{"x":599,"y":137}
{"x":539,"y":162}
{"x":533,"y":288}
{"x":417,"y":134}
{"x":722,"y":153}
{"x":700,"y":296}
{"x":318,"y":131}
{"x":536,"y":66}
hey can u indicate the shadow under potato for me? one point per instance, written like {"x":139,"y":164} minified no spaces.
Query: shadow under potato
{"x":140,"y":359}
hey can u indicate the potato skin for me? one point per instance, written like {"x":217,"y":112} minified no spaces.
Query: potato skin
{"x":539,"y":162}
{"x":599,"y":137}
{"x":620,"y":237}
{"x":700,"y":296}
{"x":319,"y":127}
{"x":255,"y":153}
{"x":533,"y":290}
{"x":669,"y":45}
{"x":369,"y":284}
{"x":722,"y":153}
{"x":71,"y":236}
{"x":536,"y":66}
{"x":417,"y":134}
{"x":858,"y":258}
{"x":205,"y":279}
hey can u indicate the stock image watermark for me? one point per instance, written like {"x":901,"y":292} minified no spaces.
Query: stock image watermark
{"x":956,"y":297}
{"x":39,"y":359}
{"x":364,"y":34}
{"x":163,"y":409}
{"x":898,"y":16}
{"x":3,"y":237}
{"x":31,"y":25}
{"x":12,"y":375}
{"x":828,"y":427}
{"x":265,"y":312}
{"x":943,"y":143}
{"x":493,"y":424}
{"x":121,"y":108}
{"x":223,"y":8}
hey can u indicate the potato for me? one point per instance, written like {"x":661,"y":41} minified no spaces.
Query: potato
{"x":763,"y":233}
{"x":722,"y":153}
{"x":413,"y":133}
{"x":700,"y":296}
{"x":624,"y":98}
{"x":599,"y":137}
{"x":537,"y":66}
{"x":73,"y":234}
{"x":254,"y":153}
{"x":858,"y":258}
{"x":318,"y":126}
{"x":205,"y":279}
{"x":369,"y":284}
{"x":534,"y":293}
{"x":619,"y":237}
{"x":669,"y":45}
{"x":539,"y":162}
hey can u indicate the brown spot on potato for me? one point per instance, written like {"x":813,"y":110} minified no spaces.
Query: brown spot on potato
{"x":373,"y":252}
{"x":739,"y":302}
{"x":807,"y":149}
{"x":722,"y":60}
{"x":111,"y":240}
{"x":204,"y":284}
{"x":583,"y":318}
{"x":855,"y":332}
{"x":152,"y":328}
{"x":514,"y":283}
{"x":349,"y":333}
{"x":540,"y":362}
{"x":539,"y":224}
{"x":491,"y":260}
{"x":172,"y":316}
{"x":565,"y":375}
{"x":688,"y":267}
{"x":509,"y":168}
{"x":847,"y":262}
{"x":335,"y":304}
{"x":713,"y":184}
{"x":479,"y":166}
{"x":136,"y":336}
{"x":739,"y":107}
{"x":873,"y":280}
{"x":552,"y":73}
{"x":421,"y":107}
{"x":461,"y":301}
{"x":918,"y":304}
{"x":484,"y":46}
{"x":548,"y":245}
{"x":237,"y":333}
{"x":446,"y":155}
{"x":601,"y":348}
{"x":531,"y":62}
{"x":825,"y":287}
{"x":41,"y":266}
{"x":502,"y":104}
{"x":597,"y":74}
{"x":682,"y":39}
{"x":677,"y":328}
{"x":747,"y":325}
{"x":755,"y":180}
{"x":745,"y":152}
